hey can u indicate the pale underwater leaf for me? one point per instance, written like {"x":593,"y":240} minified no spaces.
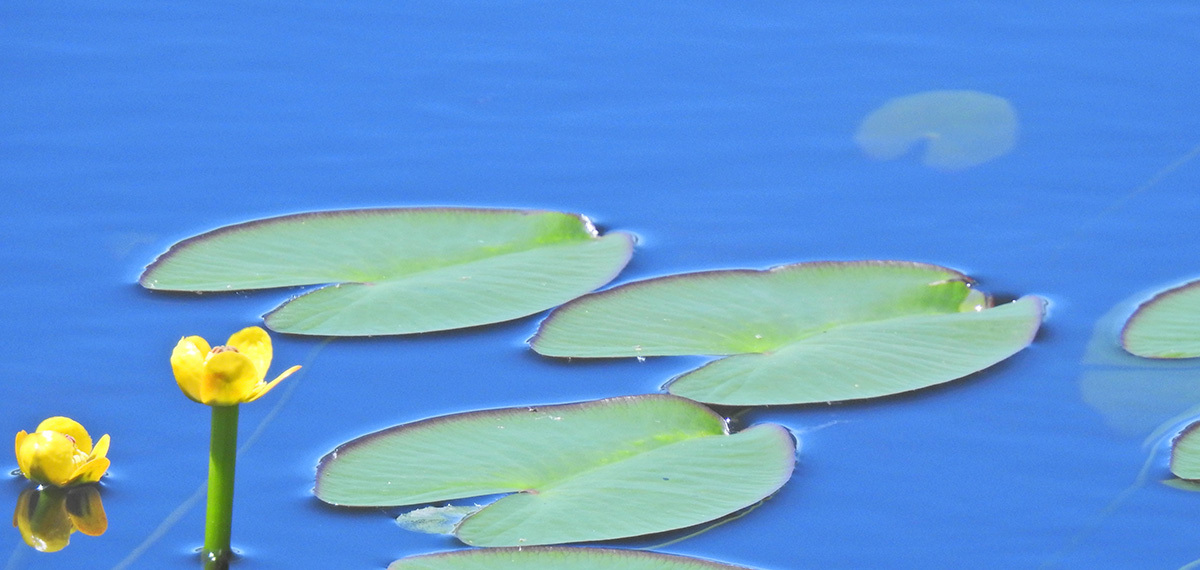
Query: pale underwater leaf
{"x":1138,"y":397}
{"x":960,"y":129}
{"x":435,"y":520}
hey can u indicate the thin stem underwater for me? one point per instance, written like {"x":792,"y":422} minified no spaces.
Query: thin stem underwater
{"x":222,"y":456}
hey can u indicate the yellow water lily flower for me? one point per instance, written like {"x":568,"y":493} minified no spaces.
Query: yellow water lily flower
{"x":47,"y":517}
{"x":60,"y":453}
{"x":229,"y":374}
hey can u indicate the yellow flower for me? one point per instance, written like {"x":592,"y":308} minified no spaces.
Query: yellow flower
{"x":60,"y":453}
{"x":47,"y":517}
{"x":225,"y":375}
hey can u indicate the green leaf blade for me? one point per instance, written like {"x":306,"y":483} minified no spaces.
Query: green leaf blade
{"x":555,"y":558}
{"x":642,"y":495}
{"x":736,"y":311}
{"x":1185,"y":453}
{"x":802,"y":333}
{"x":1166,"y":326}
{"x":487,"y":452}
{"x":490,"y":290}
{"x":868,"y":360}
{"x":592,"y":471}
{"x":401,"y":270}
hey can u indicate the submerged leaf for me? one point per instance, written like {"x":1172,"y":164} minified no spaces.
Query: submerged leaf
{"x":592,"y":471}
{"x":402,"y":270}
{"x":809,"y":332}
{"x":555,"y":558}
{"x":1166,"y":326}
{"x":960,"y":128}
{"x":1137,"y":396}
{"x":435,"y":520}
{"x":1182,"y":485}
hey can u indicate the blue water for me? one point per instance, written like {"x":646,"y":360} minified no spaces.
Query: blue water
{"x":720,"y":133}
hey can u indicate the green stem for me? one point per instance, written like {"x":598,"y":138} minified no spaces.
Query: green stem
{"x":222,"y":455}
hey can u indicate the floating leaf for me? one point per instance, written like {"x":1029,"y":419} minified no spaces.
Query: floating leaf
{"x":399,"y":271}
{"x":596,"y":470}
{"x":1166,"y":326}
{"x":962,"y":128}
{"x":555,"y":558}
{"x":1185,"y":453}
{"x":809,"y":332}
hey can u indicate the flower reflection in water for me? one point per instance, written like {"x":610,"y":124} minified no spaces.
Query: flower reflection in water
{"x":47,"y":517}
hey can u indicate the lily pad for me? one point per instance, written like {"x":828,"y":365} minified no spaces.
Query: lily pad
{"x":555,"y":558}
{"x":802,"y":333}
{"x":597,"y":470}
{"x":961,"y":129}
{"x":402,"y":270}
{"x":1166,"y":326}
{"x":1185,"y":453}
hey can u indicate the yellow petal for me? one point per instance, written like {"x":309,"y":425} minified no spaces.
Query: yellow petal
{"x":101,"y":448}
{"x":262,"y":389}
{"x":21,"y":435}
{"x":70,"y":427}
{"x":187,"y":362}
{"x":229,"y":378}
{"x":90,"y":471}
{"x":256,"y":345}
{"x":47,"y":457}
{"x":199,"y":342}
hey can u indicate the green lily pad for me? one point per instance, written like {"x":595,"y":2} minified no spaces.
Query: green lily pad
{"x":598,"y":470}
{"x":1166,"y":326}
{"x":803,"y":333}
{"x":961,"y":129}
{"x":555,"y":558}
{"x":399,"y":271}
{"x":1185,"y":453}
